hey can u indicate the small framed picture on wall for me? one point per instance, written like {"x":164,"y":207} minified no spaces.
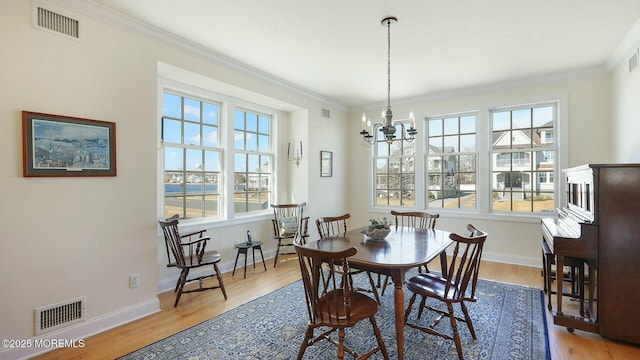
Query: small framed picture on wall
{"x":326,"y":163}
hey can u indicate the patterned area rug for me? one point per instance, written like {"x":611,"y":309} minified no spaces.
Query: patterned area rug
{"x":509,"y":320}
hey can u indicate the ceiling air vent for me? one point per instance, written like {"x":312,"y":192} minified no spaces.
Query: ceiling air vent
{"x":58,"y":23}
{"x":326,"y":113}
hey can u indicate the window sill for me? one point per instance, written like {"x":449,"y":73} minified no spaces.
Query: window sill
{"x":197,"y":224}
{"x":520,"y":218}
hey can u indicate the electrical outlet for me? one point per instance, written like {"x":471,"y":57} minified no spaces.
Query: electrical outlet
{"x":134,"y":281}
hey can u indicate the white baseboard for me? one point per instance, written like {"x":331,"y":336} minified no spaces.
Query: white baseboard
{"x":81,"y":331}
{"x":514,"y":260}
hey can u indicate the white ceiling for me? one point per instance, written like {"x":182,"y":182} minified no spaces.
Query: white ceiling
{"x":338,"y":48}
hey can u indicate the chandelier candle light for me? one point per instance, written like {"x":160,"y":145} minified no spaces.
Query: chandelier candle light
{"x":388,"y":126}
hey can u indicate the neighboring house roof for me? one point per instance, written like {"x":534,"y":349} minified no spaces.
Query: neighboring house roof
{"x":439,"y":150}
{"x":525,"y":136}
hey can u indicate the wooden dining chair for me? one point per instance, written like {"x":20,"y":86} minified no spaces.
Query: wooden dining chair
{"x":190,"y":254}
{"x":418,"y":220}
{"x":329,"y":226}
{"x":415,"y":219}
{"x":459,"y":286}
{"x":338,"y":307}
{"x":288,"y":220}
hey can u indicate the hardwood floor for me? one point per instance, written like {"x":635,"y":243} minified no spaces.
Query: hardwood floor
{"x":197,"y":307}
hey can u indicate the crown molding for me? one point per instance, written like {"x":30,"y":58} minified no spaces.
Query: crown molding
{"x":627,"y":46}
{"x":484,"y":88}
{"x":137,"y":27}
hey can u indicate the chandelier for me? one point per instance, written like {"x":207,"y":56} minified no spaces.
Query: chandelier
{"x":388,"y":126}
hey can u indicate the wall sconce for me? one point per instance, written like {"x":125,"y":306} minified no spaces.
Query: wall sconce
{"x":297,"y":156}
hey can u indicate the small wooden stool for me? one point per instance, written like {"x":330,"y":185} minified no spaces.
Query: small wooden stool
{"x":243,"y":249}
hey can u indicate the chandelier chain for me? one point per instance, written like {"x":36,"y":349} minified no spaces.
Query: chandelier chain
{"x":388,"y":64}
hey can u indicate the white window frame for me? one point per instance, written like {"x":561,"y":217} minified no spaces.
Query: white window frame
{"x":269,"y":153}
{"x":555,"y":148}
{"x":185,"y":146}
{"x":460,"y":152}
{"x":374,"y":157}
{"x":483,"y":177}
{"x":226,"y":217}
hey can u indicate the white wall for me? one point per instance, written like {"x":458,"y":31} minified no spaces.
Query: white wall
{"x":70,"y":237}
{"x":587,"y":107}
{"x":626,"y":106}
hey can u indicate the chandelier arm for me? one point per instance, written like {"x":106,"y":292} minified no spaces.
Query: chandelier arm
{"x":368,"y":137}
{"x":405,"y":131}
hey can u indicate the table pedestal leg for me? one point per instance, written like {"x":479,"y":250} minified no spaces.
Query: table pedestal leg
{"x":398,"y":297}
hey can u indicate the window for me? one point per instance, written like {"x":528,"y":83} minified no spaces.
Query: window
{"x":523,"y":154}
{"x":191,"y":156}
{"x":451,"y":158}
{"x":252,"y":161}
{"x":394,"y":171}
{"x":198,"y":158}
{"x":501,"y":161}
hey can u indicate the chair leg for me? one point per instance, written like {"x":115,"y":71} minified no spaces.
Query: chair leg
{"x":181,"y":281}
{"x":373,"y":288}
{"x":384,"y":284}
{"x":341,"y":343}
{"x":220,"y":281}
{"x":178,"y":282}
{"x":467,"y":319}
{"x":376,"y":331}
{"x":456,"y":334}
{"x":408,"y":311}
{"x":422,"y":305}
{"x":305,"y":342}
{"x":275,"y":260}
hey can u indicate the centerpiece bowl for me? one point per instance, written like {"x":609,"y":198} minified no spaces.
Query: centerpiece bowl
{"x":377,"y":234}
{"x":377,"y":230}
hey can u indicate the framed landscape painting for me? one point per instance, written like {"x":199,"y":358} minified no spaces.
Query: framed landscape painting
{"x":55,"y":145}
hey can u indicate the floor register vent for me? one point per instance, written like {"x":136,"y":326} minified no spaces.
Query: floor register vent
{"x":53,"y":317}
{"x":51,"y":21}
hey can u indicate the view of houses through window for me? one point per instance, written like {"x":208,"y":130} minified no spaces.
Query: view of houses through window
{"x":395,"y":176}
{"x":520,"y":158}
{"x":523,"y":158}
{"x":451,"y":162}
